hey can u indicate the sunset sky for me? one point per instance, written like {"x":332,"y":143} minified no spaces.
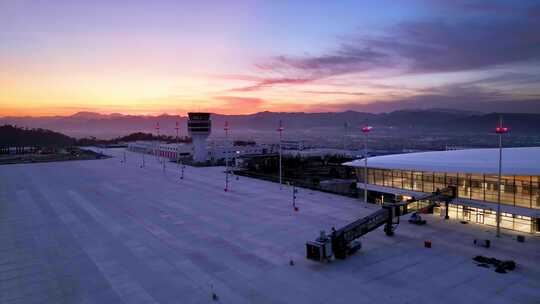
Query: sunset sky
{"x":235,"y":57}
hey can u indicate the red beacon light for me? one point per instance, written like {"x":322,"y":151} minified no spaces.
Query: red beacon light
{"x":501,"y":130}
{"x":280,"y":129}
{"x":366,"y":129}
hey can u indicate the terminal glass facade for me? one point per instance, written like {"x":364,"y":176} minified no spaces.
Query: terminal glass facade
{"x":520,"y":191}
{"x":489,"y":217}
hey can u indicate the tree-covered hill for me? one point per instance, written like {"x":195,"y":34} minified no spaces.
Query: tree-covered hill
{"x":12,"y":136}
{"x":92,"y":141}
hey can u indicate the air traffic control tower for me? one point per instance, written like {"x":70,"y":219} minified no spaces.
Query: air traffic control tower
{"x":199,"y":128}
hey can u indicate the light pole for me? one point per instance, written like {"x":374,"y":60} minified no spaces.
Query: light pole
{"x":294,"y":192}
{"x":365,"y":129}
{"x":346,"y":129}
{"x":182,"y":167}
{"x":177,"y":145}
{"x":143,"y":164}
{"x":236,"y":160}
{"x":157,"y":144}
{"x":177,"y":128}
{"x":226,"y":128}
{"x":280,"y":130}
{"x":500,"y":130}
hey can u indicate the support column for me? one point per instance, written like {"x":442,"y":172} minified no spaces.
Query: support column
{"x":388,"y":229}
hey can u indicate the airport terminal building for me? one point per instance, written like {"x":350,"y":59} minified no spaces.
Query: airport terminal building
{"x":474,"y":172}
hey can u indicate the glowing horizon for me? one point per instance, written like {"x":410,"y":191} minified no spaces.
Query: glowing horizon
{"x":244,"y":57}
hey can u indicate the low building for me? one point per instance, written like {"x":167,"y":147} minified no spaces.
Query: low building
{"x":335,"y":185}
{"x":292,"y":145}
{"x":474,"y":172}
{"x":215,"y":152}
{"x":218,"y":153}
{"x":18,"y":150}
{"x":171,"y":151}
{"x":322,"y":152}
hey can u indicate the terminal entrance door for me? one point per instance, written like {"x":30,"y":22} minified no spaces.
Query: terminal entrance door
{"x":472,"y":214}
{"x":466,"y":213}
{"x":480,"y":216}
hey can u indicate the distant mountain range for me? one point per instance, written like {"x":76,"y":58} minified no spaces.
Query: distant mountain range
{"x":85,"y":124}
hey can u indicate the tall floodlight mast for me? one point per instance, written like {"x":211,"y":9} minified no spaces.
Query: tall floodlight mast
{"x":365,"y":129}
{"x":178,"y":162}
{"x":345,"y":135}
{"x":157,"y":144}
{"x":499,"y":130}
{"x":226,"y":148}
{"x":177,"y":128}
{"x":280,"y":130}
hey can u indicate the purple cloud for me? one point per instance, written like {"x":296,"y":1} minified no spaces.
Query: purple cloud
{"x":262,"y":83}
{"x":439,"y":46}
{"x":236,"y":101}
{"x":334,"y":93}
{"x":461,"y":44}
